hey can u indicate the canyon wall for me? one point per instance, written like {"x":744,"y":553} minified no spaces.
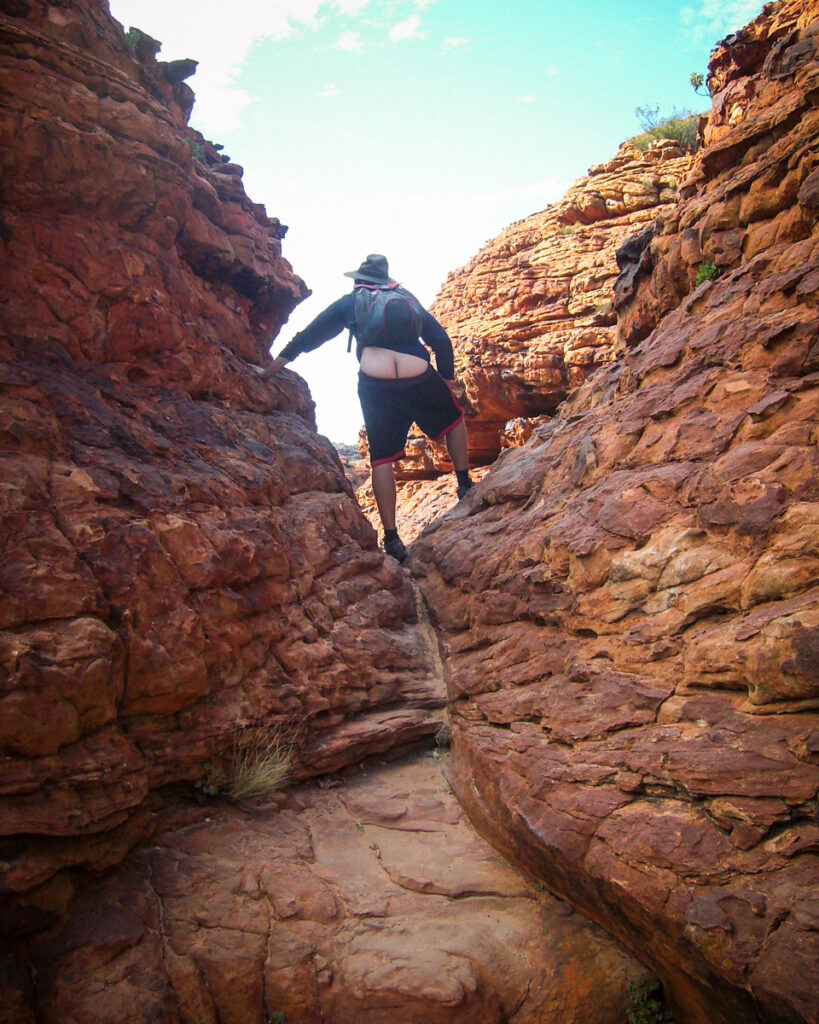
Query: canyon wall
{"x":186,"y":577}
{"x":183,"y":559}
{"x":628,"y":603}
{"x":531,"y":315}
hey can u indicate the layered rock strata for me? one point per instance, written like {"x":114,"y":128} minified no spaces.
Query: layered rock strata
{"x":182,"y":556}
{"x":369,"y":902}
{"x":754,"y":185}
{"x":628,"y":603}
{"x":531,"y":315}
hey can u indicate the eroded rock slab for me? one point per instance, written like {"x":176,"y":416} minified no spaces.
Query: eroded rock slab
{"x":630,"y":613}
{"x":371,"y":902}
{"x":629,"y":602}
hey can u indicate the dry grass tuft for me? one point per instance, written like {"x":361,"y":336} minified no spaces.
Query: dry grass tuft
{"x":261,"y":765}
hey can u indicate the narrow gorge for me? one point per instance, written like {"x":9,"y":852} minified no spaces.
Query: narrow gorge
{"x":571,"y":743}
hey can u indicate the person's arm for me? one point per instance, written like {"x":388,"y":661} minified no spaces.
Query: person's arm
{"x":268,"y":371}
{"x":326,"y":325}
{"x":434,"y":335}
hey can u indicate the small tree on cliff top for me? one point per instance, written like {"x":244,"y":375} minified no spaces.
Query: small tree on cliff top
{"x":681,"y":127}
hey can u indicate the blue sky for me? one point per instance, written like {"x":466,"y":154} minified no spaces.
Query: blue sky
{"x":420,"y":128}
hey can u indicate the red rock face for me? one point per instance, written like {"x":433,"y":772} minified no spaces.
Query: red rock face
{"x":531,"y":315}
{"x":628,"y":602}
{"x":182,"y":555}
{"x":755,"y":184}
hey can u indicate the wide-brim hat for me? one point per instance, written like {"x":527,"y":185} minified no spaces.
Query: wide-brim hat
{"x":374,"y":270}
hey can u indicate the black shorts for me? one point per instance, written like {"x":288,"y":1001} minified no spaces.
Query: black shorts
{"x":391,"y":405}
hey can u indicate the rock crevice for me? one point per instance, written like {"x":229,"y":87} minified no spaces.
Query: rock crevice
{"x":183,"y":560}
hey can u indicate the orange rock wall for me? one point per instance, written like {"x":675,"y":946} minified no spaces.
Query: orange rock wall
{"x":182,"y":555}
{"x":531,"y":315}
{"x":754,"y":185}
{"x":628,"y":603}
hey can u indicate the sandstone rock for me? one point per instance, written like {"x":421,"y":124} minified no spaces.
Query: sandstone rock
{"x":749,"y":188}
{"x":531,"y":315}
{"x":183,"y":558}
{"x":628,"y":603}
{"x":372,"y":901}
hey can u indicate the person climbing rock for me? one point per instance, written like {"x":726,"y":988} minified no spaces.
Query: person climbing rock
{"x":397,"y":385}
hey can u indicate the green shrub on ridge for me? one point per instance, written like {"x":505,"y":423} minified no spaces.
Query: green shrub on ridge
{"x":681,"y":127}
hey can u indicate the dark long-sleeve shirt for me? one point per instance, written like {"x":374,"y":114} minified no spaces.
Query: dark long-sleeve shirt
{"x":341,"y":314}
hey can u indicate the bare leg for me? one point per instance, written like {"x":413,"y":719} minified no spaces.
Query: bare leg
{"x":457,"y":446}
{"x":384,"y":491}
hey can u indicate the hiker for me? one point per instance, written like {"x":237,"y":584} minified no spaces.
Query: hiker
{"x":397,"y":385}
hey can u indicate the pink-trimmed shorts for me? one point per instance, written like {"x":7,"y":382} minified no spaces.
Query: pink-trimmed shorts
{"x":390,"y":407}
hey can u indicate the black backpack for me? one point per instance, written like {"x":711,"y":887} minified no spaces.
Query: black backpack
{"x":385,"y":314}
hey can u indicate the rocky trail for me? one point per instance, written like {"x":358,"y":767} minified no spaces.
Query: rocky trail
{"x":368,"y":898}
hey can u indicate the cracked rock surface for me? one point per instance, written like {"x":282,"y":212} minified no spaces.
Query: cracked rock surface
{"x":182,"y":557}
{"x":373,"y":901}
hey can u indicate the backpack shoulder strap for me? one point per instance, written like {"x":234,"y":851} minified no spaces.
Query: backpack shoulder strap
{"x":356,"y":288}
{"x":367,"y":288}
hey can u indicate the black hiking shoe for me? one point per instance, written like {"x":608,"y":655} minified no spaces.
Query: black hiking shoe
{"x":394,"y":546}
{"x":464,"y":488}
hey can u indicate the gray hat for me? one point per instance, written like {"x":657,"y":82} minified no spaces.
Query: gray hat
{"x":374,"y":270}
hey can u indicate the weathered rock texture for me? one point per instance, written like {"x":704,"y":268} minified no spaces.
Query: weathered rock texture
{"x":181,"y":554}
{"x":629,"y":603}
{"x":419,"y":502}
{"x":755,"y":183}
{"x":531,"y":315}
{"x":371,"y":902}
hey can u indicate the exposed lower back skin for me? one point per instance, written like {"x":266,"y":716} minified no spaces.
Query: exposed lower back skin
{"x":383,"y":363}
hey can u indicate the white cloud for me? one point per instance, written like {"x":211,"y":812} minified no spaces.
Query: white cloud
{"x":456,"y":43}
{"x":186,"y":29}
{"x":714,"y":19}
{"x":526,"y":99}
{"x":329,"y":90}
{"x":351,"y":7}
{"x":350,"y":42}
{"x":409,"y":28}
